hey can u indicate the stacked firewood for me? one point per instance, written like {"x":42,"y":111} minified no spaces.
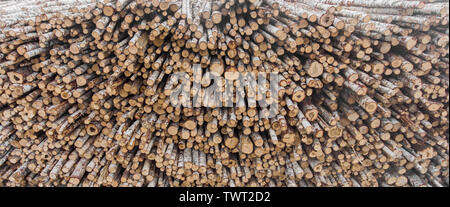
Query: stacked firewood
{"x":362,"y":99}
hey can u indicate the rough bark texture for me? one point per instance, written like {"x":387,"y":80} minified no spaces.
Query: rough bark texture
{"x":85,"y":93}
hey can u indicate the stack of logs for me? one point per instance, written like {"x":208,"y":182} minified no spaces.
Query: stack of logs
{"x":362,"y":101}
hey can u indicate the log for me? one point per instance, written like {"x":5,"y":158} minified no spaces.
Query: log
{"x":224,"y":93}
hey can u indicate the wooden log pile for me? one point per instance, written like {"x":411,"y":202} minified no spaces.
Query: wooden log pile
{"x":85,"y":93}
